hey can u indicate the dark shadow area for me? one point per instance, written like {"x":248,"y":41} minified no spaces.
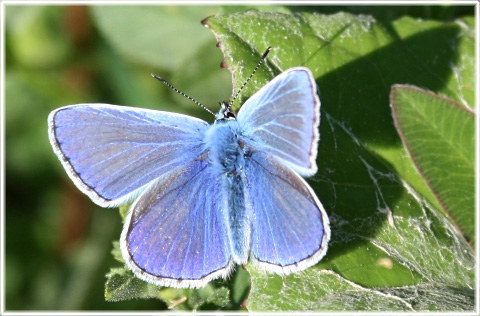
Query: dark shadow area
{"x":356,"y":117}
{"x":358,"y":93}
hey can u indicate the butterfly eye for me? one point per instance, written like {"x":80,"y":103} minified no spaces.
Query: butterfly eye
{"x":229,"y":115}
{"x":225,"y":113}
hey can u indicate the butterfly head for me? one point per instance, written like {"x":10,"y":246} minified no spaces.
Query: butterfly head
{"x":225,"y":113}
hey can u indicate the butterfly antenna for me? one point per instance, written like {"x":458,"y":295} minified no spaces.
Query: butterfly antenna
{"x":180,"y":92}
{"x":248,"y":79}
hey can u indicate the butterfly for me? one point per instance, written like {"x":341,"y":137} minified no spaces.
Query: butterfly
{"x":205,"y":197}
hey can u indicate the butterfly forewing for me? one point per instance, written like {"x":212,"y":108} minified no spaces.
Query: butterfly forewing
{"x":111,"y":152}
{"x":283,"y":117}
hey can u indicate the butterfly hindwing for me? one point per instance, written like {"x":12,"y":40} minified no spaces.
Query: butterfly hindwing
{"x":112,"y":152}
{"x":283,"y":117}
{"x":176,"y":233}
{"x":290,"y":227}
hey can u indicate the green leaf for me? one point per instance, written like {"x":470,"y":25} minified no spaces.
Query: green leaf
{"x":116,"y":252}
{"x":123,"y":285}
{"x":439,"y":135}
{"x":392,"y":247}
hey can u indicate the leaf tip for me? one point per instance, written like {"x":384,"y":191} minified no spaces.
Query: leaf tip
{"x":205,"y":22}
{"x":396,"y":87}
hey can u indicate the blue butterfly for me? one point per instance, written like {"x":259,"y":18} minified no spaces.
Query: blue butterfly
{"x":206,"y":197}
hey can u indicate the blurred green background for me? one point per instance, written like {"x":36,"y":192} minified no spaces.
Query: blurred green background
{"x":58,"y":242}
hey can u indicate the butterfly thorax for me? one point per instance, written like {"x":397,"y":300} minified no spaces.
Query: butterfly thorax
{"x":225,"y":146}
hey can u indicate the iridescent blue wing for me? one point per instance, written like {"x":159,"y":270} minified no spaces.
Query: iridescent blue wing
{"x":290,"y":228}
{"x":112,"y":152}
{"x":176,"y":233}
{"x":282,"y":119}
